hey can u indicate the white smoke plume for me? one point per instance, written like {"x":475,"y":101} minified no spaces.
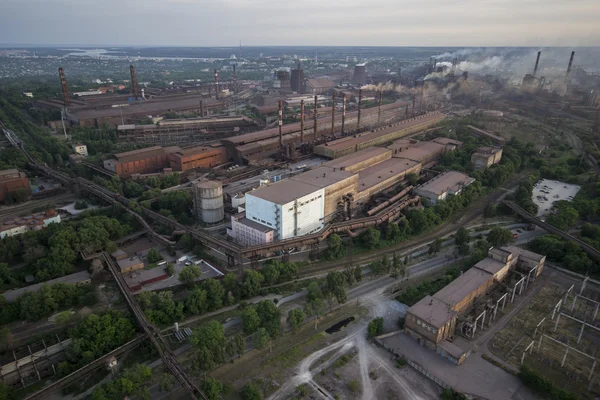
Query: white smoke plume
{"x":386,"y":87}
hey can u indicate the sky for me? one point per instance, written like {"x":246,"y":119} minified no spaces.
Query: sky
{"x":301,"y":22}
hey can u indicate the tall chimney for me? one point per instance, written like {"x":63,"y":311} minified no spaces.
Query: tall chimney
{"x":234,"y":80}
{"x":280,"y":123}
{"x":298,"y":88}
{"x":422,"y":95}
{"x":201,"y":108}
{"x":65,"y":88}
{"x":343,"y":114}
{"x":537,"y":62}
{"x":333,"y":113}
{"x":134,"y":88}
{"x":414,"y":99}
{"x":315,"y":119}
{"x":216,"y":84}
{"x":359,"y":103}
{"x":301,"y":121}
{"x":379,"y":108}
{"x":570,"y":63}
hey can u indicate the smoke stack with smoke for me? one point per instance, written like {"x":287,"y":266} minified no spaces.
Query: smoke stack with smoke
{"x":537,"y":63}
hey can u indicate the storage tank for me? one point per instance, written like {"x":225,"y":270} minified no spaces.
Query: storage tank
{"x":208,"y":201}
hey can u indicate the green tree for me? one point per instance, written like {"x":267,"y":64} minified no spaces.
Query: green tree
{"x":393,"y":232}
{"x":6,"y":392}
{"x":464,"y":249}
{"x":490,"y":210}
{"x":261,"y":338}
{"x":170,"y":269}
{"x":250,"y":320}
{"x":210,"y":342}
{"x":354,"y":386}
{"x":251,"y":283}
{"x":296,"y":317}
{"x":271,"y":274}
{"x":212,"y":388}
{"x":166,"y":382}
{"x":196,"y":302}
{"x":375,"y":328}
{"x":270,"y":317}
{"x":462,"y":236}
{"x":153,"y":256}
{"x":251,"y":391}
{"x":5,"y":339}
{"x":239,"y":344}
{"x":435,"y":246}
{"x":412,"y":179}
{"x":189,"y":274}
{"x":370,"y":238}
{"x":335,"y":286}
{"x":500,"y":237}
{"x":335,"y":247}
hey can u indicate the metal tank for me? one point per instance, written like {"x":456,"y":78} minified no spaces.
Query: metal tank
{"x":208,"y":201}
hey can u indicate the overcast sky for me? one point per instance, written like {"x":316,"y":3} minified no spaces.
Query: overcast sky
{"x":302,"y":22}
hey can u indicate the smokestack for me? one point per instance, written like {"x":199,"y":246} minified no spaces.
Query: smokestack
{"x":301,"y":121}
{"x":570,"y":63}
{"x":406,"y":112}
{"x":299,"y":82}
{"x":359,"y":103}
{"x":537,"y":62}
{"x":65,"y":88}
{"x":216,"y":84}
{"x":422,"y":93}
{"x":280,"y":123}
{"x":134,"y":88}
{"x":454,"y":62}
{"x":201,"y":108}
{"x":333,"y":113}
{"x":315,"y":120}
{"x":343,"y":113}
{"x":234,"y":80}
{"x":379,"y":108}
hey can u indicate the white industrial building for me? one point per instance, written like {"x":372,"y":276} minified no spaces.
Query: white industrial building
{"x":290,"y":208}
{"x":449,"y":183}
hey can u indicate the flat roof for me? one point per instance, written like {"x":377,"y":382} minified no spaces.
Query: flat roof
{"x":129,"y":262}
{"x":139,"y":154}
{"x":487,"y":150}
{"x":452,"y":349}
{"x":254,"y":225}
{"x":73,"y":279}
{"x":523,"y":253}
{"x":461,"y":287}
{"x":284,"y":191}
{"x":383,"y":171}
{"x":490,"y":265}
{"x":358,"y":157}
{"x":344,"y":143}
{"x":308,"y":124}
{"x":138,"y":277}
{"x":445,"y":181}
{"x":444,"y":141}
{"x":421,"y":150}
{"x":322,"y":176}
{"x":487,"y":133}
{"x":190,"y":151}
{"x":433,"y":311}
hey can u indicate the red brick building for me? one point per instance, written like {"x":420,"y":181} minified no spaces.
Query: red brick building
{"x":142,"y":161}
{"x":198,"y":157}
{"x":12,"y":181}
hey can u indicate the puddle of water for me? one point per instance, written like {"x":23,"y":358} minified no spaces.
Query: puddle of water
{"x":338,"y":326}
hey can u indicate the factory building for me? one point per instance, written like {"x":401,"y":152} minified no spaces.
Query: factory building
{"x":485,"y":157}
{"x":337,"y":183}
{"x":498,"y":140}
{"x":80,"y":149}
{"x":347,"y":145}
{"x":249,"y":233}
{"x":76,"y":279}
{"x":142,"y":161}
{"x":198,"y":157}
{"x":34,"y":222}
{"x":434,"y":319}
{"x":360,"y":160}
{"x":449,"y":183}
{"x":297,"y":80}
{"x":291,"y":208}
{"x":318,"y":85}
{"x":384,"y":175}
{"x":11,"y":181}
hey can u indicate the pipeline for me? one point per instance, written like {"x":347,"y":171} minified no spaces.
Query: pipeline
{"x":383,"y":205}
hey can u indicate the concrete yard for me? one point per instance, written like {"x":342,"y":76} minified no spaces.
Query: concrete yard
{"x":475,"y":377}
{"x":552,"y":191}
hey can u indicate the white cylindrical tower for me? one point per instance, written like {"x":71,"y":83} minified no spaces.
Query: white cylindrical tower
{"x":208,"y":201}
